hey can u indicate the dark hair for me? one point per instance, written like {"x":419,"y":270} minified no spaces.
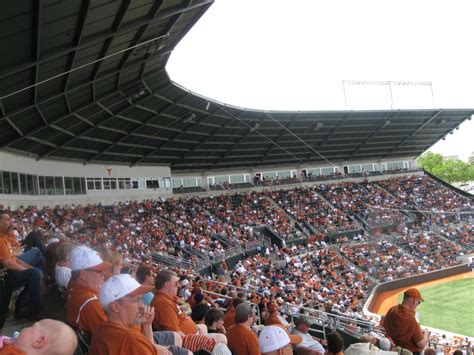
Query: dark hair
{"x":236,"y":301}
{"x":163,"y":277}
{"x":199,"y":312}
{"x":213,"y":315}
{"x":142,"y":273}
{"x":335,"y":342}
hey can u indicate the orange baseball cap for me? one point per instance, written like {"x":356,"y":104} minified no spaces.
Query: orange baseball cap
{"x":413,"y":293}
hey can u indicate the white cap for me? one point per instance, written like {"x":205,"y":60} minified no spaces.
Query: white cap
{"x":185,"y":282}
{"x":83,"y":257}
{"x":273,"y":338}
{"x":119,"y":286}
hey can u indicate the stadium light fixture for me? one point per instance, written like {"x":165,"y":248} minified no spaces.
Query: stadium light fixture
{"x":190,"y":118}
{"x":255,"y":127}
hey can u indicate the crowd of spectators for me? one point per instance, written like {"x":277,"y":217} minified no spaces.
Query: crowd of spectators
{"x":426,"y":194}
{"x":305,"y":205}
{"x":402,"y":256}
{"x":367,"y":200}
{"x":312,"y":274}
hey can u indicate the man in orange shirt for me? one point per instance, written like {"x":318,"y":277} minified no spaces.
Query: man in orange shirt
{"x":83,"y":307}
{"x":168,"y":316}
{"x":242,"y":340}
{"x":44,"y":337}
{"x":120,"y":296}
{"x":20,"y":273}
{"x":400,"y":323}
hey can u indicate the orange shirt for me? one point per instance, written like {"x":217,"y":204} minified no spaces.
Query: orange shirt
{"x":6,"y":251}
{"x":112,"y":338}
{"x":242,"y":341}
{"x":400,"y":324}
{"x":83,"y":308}
{"x":229,"y":318}
{"x":11,"y":350}
{"x":168,"y":316}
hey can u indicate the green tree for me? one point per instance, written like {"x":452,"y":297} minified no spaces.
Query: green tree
{"x":448,"y":170}
{"x":430,"y":161}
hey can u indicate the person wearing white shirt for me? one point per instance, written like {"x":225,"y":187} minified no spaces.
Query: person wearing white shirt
{"x":309,"y":343}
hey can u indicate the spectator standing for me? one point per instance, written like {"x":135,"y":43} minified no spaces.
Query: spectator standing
{"x":400,"y":323}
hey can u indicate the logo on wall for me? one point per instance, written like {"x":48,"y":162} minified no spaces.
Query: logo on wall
{"x":109,"y":170}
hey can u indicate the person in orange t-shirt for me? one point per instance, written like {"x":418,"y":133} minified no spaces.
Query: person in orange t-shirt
{"x":168,"y":316}
{"x":242,"y":340}
{"x":44,"y":337}
{"x":120,"y":296}
{"x":401,"y":326}
{"x":83,"y":308}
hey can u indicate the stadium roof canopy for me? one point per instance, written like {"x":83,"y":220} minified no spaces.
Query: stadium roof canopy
{"x":86,"y":80}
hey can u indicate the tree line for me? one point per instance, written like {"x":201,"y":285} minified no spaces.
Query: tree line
{"x":450,"y":170}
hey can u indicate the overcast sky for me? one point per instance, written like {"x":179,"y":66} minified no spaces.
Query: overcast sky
{"x":294,"y":55}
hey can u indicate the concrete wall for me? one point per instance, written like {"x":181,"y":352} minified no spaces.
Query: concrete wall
{"x":413,"y":280}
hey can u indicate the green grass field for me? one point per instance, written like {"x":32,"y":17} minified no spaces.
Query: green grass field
{"x":449,"y":306}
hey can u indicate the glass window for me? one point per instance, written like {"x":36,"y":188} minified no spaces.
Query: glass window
{"x":107,"y":183}
{"x":1,"y":183}
{"x":166,"y":182}
{"x":59,"y":185}
{"x":367,"y":167}
{"x":76,"y":186}
{"x":152,"y":183}
{"x":15,"y":184}
{"x":98,"y":184}
{"x":284,"y":174}
{"x":7,"y":182}
{"x":221,"y":179}
{"x":177,"y":182}
{"x":138,"y":183}
{"x":354,"y":169}
{"x":83,"y":186}
{"x":189,"y":182}
{"x":124,"y":184}
{"x":68,"y":186}
{"x":33,"y":184}
{"x":94,"y":184}
{"x":270,"y":175}
{"x":236,"y":179}
{"x":49,"y":183}
{"x":23,"y":188}
{"x":395,"y":165}
{"x":313,"y":171}
{"x":327,"y":171}
{"x":42,"y":185}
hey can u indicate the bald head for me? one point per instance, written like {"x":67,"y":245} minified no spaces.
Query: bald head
{"x":47,"y":337}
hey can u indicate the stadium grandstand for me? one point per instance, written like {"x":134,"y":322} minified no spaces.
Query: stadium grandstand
{"x":317,"y":212}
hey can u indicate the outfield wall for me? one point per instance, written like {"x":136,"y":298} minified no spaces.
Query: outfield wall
{"x":411,"y":281}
